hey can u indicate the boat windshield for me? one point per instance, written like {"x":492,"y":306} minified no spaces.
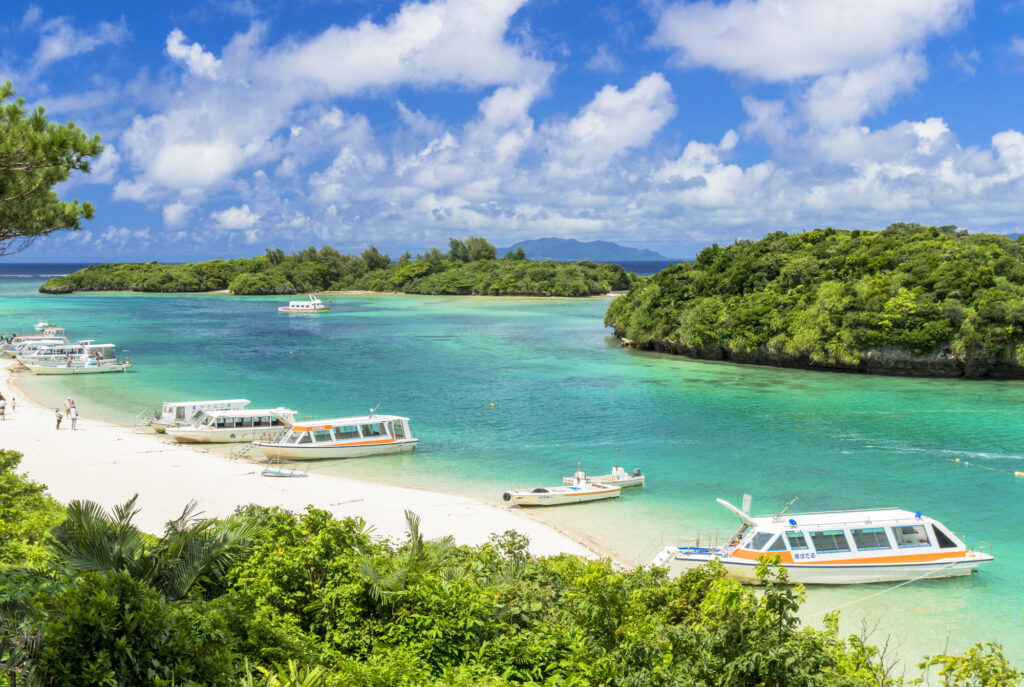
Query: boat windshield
{"x":374,"y":429}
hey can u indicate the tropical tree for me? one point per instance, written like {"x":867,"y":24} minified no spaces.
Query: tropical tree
{"x":193,"y":556}
{"x":36,"y":155}
{"x":417,"y":557}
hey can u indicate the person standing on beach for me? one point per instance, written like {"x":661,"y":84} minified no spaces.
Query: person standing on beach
{"x":3,"y":408}
{"x":14,"y":404}
{"x":59,"y":416}
{"x":67,"y":407}
{"x":74,"y":416}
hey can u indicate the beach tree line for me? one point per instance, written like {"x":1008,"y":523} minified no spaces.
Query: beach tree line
{"x":468,"y":267}
{"x":268,"y":598}
{"x":35,"y":156}
{"x":831,"y":297}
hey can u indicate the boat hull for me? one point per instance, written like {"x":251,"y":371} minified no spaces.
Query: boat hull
{"x":191,"y":435}
{"x":679,"y":561}
{"x":83,"y":370}
{"x":287,"y":309}
{"x":606,"y":479}
{"x":535,"y":499}
{"x":307,"y":452}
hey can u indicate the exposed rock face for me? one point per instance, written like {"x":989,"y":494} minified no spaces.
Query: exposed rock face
{"x":974,"y":364}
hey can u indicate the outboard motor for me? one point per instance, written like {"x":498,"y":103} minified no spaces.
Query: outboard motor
{"x":637,"y":473}
{"x":506,"y":496}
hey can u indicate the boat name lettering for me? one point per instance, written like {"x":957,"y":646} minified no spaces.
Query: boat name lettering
{"x":800,"y":556}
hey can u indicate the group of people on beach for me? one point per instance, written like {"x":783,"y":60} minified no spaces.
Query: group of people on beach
{"x":3,"y":405}
{"x":70,"y":411}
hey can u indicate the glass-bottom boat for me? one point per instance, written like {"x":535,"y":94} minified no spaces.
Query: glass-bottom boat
{"x":840,"y":547}
{"x":178,"y":413}
{"x":345,"y":437}
{"x":232,"y":426}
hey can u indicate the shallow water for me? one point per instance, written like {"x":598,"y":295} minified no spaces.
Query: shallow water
{"x":562,"y":389}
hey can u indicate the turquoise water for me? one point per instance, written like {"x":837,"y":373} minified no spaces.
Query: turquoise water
{"x":562,"y":389}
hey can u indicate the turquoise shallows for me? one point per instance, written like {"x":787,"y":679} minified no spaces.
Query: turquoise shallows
{"x":562,"y":389}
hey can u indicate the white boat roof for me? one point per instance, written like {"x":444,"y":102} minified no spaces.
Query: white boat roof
{"x":79,"y":344}
{"x":839,"y":519}
{"x":254,"y":412}
{"x":306,"y":425}
{"x":196,"y":403}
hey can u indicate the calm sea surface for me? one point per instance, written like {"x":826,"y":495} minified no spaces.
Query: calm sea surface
{"x":563,"y":390}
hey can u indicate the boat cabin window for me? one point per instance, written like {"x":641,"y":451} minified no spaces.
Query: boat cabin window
{"x":830,"y":541}
{"x":322,"y":435}
{"x":397,"y":429}
{"x":778,"y":545}
{"x":304,"y":438}
{"x":264,"y":421}
{"x":293,"y":437}
{"x":758,"y":541}
{"x":943,"y":539}
{"x":225,"y":422}
{"x":910,"y":535}
{"x":797,"y":540}
{"x":243,"y":422}
{"x":343,"y":432}
{"x":375,"y":429}
{"x":179,"y":413}
{"x":870,"y":538}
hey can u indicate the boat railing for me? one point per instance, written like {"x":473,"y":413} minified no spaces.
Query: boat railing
{"x":143,"y":419}
{"x":698,"y":539}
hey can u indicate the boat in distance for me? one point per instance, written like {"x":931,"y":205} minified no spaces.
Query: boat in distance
{"x":580,"y":491}
{"x":314,"y":304}
{"x":177,"y":413}
{"x":78,"y":365}
{"x":344,"y":437}
{"x":232,"y":426}
{"x":836,"y":547}
{"x":618,"y":477}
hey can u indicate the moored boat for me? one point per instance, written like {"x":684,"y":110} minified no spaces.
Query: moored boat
{"x":77,"y":365}
{"x":178,"y":413}
{"x":345,"y":437}
{"x":40,"y":326}
{"x":580,"y":491}
{"x":314,"y":304}
{"x":232,"y":426}
{"x":838,"y":547}
{"x":618,"y":477}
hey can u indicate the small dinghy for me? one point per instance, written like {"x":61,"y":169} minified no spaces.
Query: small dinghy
{"x":580,"y":491}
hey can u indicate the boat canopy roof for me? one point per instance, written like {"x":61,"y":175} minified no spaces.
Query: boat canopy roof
{"x":185,"y":404}
{"x":838,"y":519}
{"x":310,"y":425}
{"x":248,"y":412}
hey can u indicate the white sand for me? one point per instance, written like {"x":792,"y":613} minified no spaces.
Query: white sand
{"x":109,"y":463}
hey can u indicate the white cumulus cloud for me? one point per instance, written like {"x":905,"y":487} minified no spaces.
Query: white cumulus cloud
{"x":197,"y":60}
{"x":236,"y":218}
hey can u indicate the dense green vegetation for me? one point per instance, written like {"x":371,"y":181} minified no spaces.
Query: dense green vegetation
{"x":910,"y":299}
{"x":271,"y":599}
{"x":470,"y":267}
{"x":35,"y":156}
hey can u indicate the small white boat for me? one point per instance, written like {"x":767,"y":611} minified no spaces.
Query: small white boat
{"x":80,"y":365}
{"x":580,"y":491}
{"x":61,"y":352}
{"x":40,"y":326}
{"x":176,"y":414}
{"x":345,"y":437}
{"x":232,"y":426}
{"x":839,"y":547}
{"x":618,"y":477}
{"x":314,"y":304}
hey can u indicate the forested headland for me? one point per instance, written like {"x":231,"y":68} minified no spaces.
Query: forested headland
{"x":268,"y":598}
{"x":912,"y":299}
{"x":469,"y":267}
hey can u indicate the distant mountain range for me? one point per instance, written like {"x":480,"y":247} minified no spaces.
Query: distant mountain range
{"x":571,"y":250}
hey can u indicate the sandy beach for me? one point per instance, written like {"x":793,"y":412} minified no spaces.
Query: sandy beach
{"x":109,"y":463}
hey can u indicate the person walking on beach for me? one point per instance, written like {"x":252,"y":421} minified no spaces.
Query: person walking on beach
{"x":67,"y":407}
{"x":74,"y":416}
{"x":59,"y":416}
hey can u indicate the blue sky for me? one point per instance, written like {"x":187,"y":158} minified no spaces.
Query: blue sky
{"x":236,"y":125}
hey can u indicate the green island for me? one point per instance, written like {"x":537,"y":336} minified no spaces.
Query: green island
{"x":470,"y":267}
{"x":268,"y":598}
{"x":908,"y":300}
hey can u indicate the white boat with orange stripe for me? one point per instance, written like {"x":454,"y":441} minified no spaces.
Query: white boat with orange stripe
{"x":343,"y":437}
{"x":839,"y":547}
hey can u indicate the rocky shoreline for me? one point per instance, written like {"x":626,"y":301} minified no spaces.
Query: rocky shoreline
{"x":974,"y":364}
